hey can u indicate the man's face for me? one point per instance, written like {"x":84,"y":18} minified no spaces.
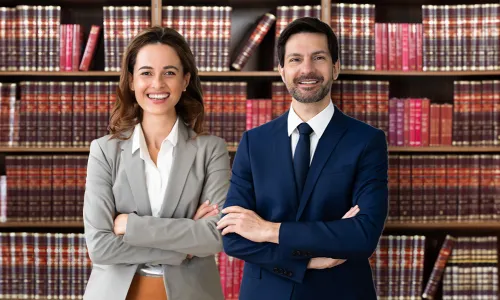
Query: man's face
{"x":308,"y":70}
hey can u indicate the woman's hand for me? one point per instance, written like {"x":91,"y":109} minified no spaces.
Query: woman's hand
{"x":205,"y":210}
{"x":120,"y":224}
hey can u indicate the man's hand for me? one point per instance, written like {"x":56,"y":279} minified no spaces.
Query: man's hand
{"x":120,"y":224}
{"x":205,"y":210}
{"x":248,"y":224}
{"x":326,"y":262}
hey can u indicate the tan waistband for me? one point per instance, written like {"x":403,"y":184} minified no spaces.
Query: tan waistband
{"x":147,"y":288}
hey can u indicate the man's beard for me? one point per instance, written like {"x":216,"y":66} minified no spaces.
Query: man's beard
{"x":307,"y":97}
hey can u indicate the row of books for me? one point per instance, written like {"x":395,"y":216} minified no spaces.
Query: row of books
{"x":417,"y":122}
{"x":207,"y":29}
{"x":226,"y":109}
{"x":468,"y":267}
{"x":43,"y":188}
{"x":476,"y":113}
{"x":398,"y":47}
{"x":398,"y":267}
{"x":231,"y":273}
{"x":43,"y":265}
{"x":71,"y":57}
{"x":120,"y":25}
{"x":52,"y":114}
{"x":461,"y":37}
{"x":29,"y":38}
{"x":444,"y":187}
{"x":472,"y":269}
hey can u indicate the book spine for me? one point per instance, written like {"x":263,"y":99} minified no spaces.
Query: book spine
{"x":90,"y":48}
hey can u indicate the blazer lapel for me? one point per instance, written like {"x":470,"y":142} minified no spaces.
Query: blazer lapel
{"x":136,"y":176}
{"x":185,"y":152}
{"x":327,"y":143}
{"x":283,"y":154}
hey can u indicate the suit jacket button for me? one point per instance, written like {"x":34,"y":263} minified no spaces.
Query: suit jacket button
{"x":295,"y":253}
{"x":281,"y":271}
{"x":289,"y":274}
{"x":276,"y":270}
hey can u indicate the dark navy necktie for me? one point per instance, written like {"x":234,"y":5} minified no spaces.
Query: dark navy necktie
{"x":302,"y":156}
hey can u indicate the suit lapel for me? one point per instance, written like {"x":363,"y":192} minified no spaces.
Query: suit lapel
{"x":283,"y":154}
{"x":136,"y":176}
{"x":184,"y":154}
{"x":327,"y":143}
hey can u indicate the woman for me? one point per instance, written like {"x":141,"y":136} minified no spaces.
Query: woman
{"x":150,"y":231}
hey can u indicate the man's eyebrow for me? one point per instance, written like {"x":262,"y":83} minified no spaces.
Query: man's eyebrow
{"x":164,"y":68}
{"x":294,"y":54}
{"x":319,"y":52}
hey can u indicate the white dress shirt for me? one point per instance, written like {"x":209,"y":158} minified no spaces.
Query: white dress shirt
{"x":156,"y":175}
{"x":318,"y":124}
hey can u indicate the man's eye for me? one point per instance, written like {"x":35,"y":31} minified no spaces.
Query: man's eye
{"x":293,"y":60}
{"x":320,"y":57}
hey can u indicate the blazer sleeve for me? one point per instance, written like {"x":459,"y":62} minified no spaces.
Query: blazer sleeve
{"x":266,"y":255}
{"x":104,"y":246}
{"x":199,"y":238}
{"x":357,"y":237}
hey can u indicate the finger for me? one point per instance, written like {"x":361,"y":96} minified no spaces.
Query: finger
{"x":233,"y":209}
{"x":231,"y":216}
{"x":211,"y":214}
{"x":349,"y":213}
{"x":229,"y":229}
{"x":202,"y":211}
{"x":227,"y":222}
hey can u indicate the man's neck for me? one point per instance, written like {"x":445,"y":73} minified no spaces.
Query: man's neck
{"x":307,"y":111}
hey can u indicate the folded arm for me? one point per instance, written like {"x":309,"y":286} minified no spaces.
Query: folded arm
{"x":104,"y":246}
{"x":351,"y":238}
{"x":266,"y":255}
{"x":198,"y":238}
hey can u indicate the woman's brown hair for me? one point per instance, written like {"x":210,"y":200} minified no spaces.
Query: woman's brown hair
{"x":127,"y":112}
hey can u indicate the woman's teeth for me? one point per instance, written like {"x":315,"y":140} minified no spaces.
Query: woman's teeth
{"x":158,"y":96}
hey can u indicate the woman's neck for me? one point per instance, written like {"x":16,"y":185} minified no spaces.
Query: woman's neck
{"x":156,"y":128}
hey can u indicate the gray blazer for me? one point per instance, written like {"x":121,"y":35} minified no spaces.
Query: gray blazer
{"x":116,"y":183}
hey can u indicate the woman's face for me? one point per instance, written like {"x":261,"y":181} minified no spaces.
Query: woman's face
{"x":158,"y":80}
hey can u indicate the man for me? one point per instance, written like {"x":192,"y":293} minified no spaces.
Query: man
{"x":294,"y":179}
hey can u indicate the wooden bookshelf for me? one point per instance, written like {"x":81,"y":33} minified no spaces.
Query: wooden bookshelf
{"x":442,"y":149}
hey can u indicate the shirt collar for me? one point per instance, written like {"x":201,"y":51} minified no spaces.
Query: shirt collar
{"x":139,"y":142}
{"x":318,"y":123}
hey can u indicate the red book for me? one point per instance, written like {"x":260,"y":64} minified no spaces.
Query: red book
{"x":405,"y":47}
{"x":426,"y":103}
{"x":77,"y":47}
{"x":418,"y":122}
{"x":385,"y":47}
{"x":69,"y":47}
{"x":419,"y":47}
{"x":378,"y":46}
{"x":435,"y":128}
{"x":90,"y":48}
{"x":446,"y":124}
{"x":62,"y":47}
{"x":439,"y":266}
{"x":392,"y":33}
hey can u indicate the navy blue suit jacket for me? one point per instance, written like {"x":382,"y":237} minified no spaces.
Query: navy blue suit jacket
{"x":349,"y":167}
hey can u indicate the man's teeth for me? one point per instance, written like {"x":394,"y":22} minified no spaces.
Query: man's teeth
{"x":309,"y":81}
{"x":158,"y":96}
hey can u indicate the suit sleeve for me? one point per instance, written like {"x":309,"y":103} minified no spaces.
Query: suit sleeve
{"x":199,"y":238}
{"x":266,"y":255}
{"x":104,"y":246}
{"x":357,"y":237}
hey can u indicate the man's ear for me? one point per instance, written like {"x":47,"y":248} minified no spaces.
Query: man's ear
{"x":336,"y":69}
{"x":130,"y":81}
{"x":281,"y":71}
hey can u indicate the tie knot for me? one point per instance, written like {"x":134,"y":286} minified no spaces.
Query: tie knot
{"x":304,"y":128}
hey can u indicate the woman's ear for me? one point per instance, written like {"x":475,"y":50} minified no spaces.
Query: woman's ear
{"x":131,"y":81}
{"x":187,"y":77}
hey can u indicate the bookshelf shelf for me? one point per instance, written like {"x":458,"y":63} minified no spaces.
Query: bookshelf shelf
{"x":451,"y":225}
{"x":55,"y":74}
{"x":250,"y":74}
{"x":455,"y":225}
{"x":38,"y":224}
{"x":443,"y":149}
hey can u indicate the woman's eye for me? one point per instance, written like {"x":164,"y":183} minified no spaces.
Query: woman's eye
{"x":170,"y":73}
{"x":146,"y":73}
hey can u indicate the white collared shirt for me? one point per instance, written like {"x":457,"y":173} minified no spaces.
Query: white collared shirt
{"x":156,"y":175}
{"x":318,"y":123}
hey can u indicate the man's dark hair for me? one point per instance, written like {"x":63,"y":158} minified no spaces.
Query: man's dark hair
{"x":312,"y":25}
